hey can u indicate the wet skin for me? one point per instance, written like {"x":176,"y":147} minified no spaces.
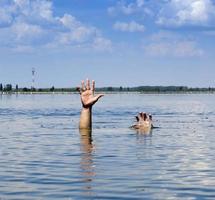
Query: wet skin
{"x":143,"y":122}
{"x":88,"y":99}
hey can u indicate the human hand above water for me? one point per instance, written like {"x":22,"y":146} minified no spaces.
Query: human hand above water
{"x":87,"y":94}
{"x":88,"y":99}
{"x":143,"y":122}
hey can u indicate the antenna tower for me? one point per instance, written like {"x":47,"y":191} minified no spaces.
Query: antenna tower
{"x":33,"y":78}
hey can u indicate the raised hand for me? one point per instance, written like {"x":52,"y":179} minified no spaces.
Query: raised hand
{"x":88,"y":100}
{"x":144,"y":122}
{"x":87,"y":94}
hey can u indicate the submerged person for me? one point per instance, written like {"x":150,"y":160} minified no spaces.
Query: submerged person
{"x":143,"y":123}
{"x":88,"y":99}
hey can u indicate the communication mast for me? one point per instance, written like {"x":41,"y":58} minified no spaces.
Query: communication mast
{"x":33,"y":79}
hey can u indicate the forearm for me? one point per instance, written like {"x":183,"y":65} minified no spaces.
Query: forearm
{"x":86,"y":118}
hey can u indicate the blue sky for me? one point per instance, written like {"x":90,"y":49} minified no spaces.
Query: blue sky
{"x":115,"y":42}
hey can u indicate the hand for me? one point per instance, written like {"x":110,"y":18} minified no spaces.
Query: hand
{"x":87,"y":94}
{"x":144,"y":121}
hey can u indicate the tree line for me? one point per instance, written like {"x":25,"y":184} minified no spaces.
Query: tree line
{"x":8,"y":88}
{"x":157,"y":89}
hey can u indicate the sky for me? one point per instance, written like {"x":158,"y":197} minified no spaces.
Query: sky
{"x":115,"y":42}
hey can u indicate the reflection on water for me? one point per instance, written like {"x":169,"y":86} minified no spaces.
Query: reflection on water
{"x":44,"y":156}
{"x":87,"y":164}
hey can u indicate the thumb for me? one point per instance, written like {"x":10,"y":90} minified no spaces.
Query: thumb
{"x":97,"y":97}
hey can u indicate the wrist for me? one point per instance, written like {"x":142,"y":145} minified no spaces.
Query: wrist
{"x":84,"y":108}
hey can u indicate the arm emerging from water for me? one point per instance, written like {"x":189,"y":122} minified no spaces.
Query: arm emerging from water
{"x":88,"y":100}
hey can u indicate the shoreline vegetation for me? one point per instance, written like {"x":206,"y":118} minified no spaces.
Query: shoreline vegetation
{"x":8,"y":89}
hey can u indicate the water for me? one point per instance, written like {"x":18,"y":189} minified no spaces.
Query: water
{"x":43,"y":155}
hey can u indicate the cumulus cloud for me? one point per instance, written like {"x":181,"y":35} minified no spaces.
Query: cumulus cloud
{"x":124,"y":8}
{"x":168,"y":44}
{"x":136,"y":6}
{"x":5,"y":18}
{"x":76,"y":32}
{"x":184,"y":12}
{"x":25,"y":24}
{"x":129,"y":27}
{"x":176,"y":49}
{"x":102,"y":44}
{"x":169,"y":13}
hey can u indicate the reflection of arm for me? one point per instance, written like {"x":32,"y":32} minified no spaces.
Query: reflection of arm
{"x":86,"y":138}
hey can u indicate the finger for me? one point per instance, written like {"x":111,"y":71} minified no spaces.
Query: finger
{"x":97,"y":97}
{"x":88,"y":84}
{"x":137,"y":118}
{"x":93,"y":86}
{"x":140,"y":115}
{"x":83,"y":88}
{"x":135,"y":126}
{"x":144,"y":116}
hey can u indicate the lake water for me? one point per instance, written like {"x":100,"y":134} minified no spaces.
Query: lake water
{"x":43,"y":155}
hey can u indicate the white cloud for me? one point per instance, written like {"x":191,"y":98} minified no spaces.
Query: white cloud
{"x":167,"y":44}
{"x":34,"y":9}
{"x":164,"y":36}
{"x":129,"y":27}
{"x":31,"y":23}
{"x":78,"y":35}
{"x":122,"y":7}
{"x":77,"y":31}
{"x":24,"y":31}
{"x":184,"y":12}
{"x":69,"y":21}
{"x":175,"y":49}
{"x":169,"y":13}
{"x":5,"y":18}
{"x":102,"y":44}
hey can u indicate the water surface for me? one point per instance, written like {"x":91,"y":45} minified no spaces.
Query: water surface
{"x":43,"y":155}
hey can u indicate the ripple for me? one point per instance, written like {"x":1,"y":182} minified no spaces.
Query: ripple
{"x":43,"y":155}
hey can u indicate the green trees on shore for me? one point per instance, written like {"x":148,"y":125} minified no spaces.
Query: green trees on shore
{"x":156,"y":89}
{"x":6,"y":88}
{"x":145,"y":89}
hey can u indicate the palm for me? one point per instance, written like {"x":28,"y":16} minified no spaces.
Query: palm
{"x":144,"y":121}
{"x":87,"y":98}
{"x":87,"y":94}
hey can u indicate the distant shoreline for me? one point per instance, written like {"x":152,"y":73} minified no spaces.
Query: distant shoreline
{"x":7,"y":89}
{"x":108,"y":92}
